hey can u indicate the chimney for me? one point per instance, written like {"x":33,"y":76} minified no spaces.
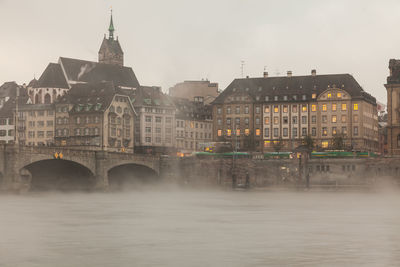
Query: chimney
{"x":289,"y":73}
{"x":313,"y":72}
{"x":265,"y":74}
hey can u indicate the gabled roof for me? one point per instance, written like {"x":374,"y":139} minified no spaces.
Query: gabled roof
{"x":52,"y":77}
{"x":148,"y":96}
{"x":111,"y":45}
{"x":295,"y":85}
{"x":7,"y":110}
{"x":78,"y":70}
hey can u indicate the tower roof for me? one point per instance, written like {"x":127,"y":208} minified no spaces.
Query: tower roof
{"x":111,"y":28}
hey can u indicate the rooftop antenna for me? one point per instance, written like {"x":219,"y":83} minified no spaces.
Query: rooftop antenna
{"x":242,"y":67}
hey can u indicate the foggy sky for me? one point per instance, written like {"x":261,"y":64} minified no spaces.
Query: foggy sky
{"x":166,"y":42}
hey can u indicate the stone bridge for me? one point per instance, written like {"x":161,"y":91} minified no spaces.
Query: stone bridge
{"x":16,"y":160}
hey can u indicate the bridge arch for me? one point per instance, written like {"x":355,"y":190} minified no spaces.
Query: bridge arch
{"x":131,"y":175}
{"x":53,"y":174}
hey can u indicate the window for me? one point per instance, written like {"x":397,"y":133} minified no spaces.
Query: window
{"x":276,"y":109}
{"x":334,"y":118}
{"x":40,"y":123}
{"x":266,"y":98}
{"x":334,"y":130}
{"x":148,"y":129}
{"x":276,"y":120}
{"x":324,"y":107}
{"x":285,"y":120}
{"x":158,"y":119}
{"x":246,"y":131}
{"x":49,"y":123}
{"x":304,"y":97}
{"x":40,"y":134}
{"x":285,"y":108}
{"x":333,"y":107}
{"x":304,"y":119}
{"x":339,"y":95}
{"x":276,"y":132}
{"x":303,"y":131}
{"x":314,"y":131}
{"x":257,"y":110}
{"x":294,"y":109}
{"x":228,"y":110}
{"x":219,"y":132}
{"x":266,"y":120}
{"x":355,"y":118}
{"x":158,"y":130}
{"x":228,"y":121}
{"x":258,"y":132}
{"x":344,"y":107}
{"x":294,"y":132}
{"x":285,"y":97}
{"x":324,"y":131}
{"x":304,"y":108}
{"x":148,"y":139}
{"x":41,"y":113}
{"x":266,"y":132}
{"x":169,"y":130}
{"x":294,"y":97}
{"x":355,"y":130}
{"x":266,"y":110}
{"x":285,"y":132}
{"x":313,"y":119}
{"x":314,"y":96}
{"x":219,"y":121}
{"x":329,"y":95}
{"x":219,"y":110}
{"x":237,"y":121}
{"x":228,"y":132}
{"x":294,"y":119}
{"x":237,"y":132}
{"x":325,"y":144}
{"x":148,"y":118}
{"x":246,"y":109}
{"x":355,"y":107}
{"x":237,"y":110}
{"x":257,"y":120}
{"x":276,"y":98}
{"x":324,"y":119}
{"x":158,"y":139}
{"x":3,"y":132}
{"x":344,"y":130}
{"x":313,"y":107}
{"x":168,"y":120}
{"x":246,"y":121}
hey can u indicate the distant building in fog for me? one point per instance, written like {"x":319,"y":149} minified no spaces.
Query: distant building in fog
{"x":190,"y":89}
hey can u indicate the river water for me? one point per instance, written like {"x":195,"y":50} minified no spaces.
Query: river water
{"x":200,"y":228}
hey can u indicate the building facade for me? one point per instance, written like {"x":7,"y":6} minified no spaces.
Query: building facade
{"x":277,"y":113}
{"x":190,"y":90}
{"x":194,"y":125}
{"x":393,"y":108}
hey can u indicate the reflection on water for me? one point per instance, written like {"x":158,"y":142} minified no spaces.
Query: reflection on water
{"x":181,"y":228}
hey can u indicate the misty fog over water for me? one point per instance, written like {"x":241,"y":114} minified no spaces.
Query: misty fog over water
{"x":171,"y":227}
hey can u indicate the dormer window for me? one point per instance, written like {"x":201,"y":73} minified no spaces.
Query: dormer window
{"x":304,"y":97}
{"x":266,"y":98}
{"x":295,"y":97}
{"x":276,"y":98}
{"x":285,"y":97}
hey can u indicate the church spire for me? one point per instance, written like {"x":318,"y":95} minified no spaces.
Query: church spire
{"x":111,"y":28}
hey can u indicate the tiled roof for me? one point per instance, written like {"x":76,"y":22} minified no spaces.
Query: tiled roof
{"x":92,"y":72}
{"x":7,"y":110}
{"x":258,"y":88}
{"x":8,"y":89}
{"x":89,"y":97}
{"x":112,"y":45}
{"x":52,"y":77}
{"x":148,"y":96}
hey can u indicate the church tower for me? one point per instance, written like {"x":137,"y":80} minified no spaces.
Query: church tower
{"x":393,"y":107}
{"x":110,"y":50}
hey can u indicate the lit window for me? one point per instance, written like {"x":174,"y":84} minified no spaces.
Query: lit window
{"x":285,"y":109}
{"x":355,"y":107}
{"x":266,"y":120}
{"x":276,"y":120}
{"x":344,"y":107}
{"x":266,"y":109}
{"x":246,"y":131}
{"x":228,"y":132}
{"x":314,"y":96}
{"x":325,"y":144}
{"x":344,"y":118}
{"x":313,"y":107}
{"x":334,"y":118}
{"x":258,"y":132}
{"x":267,"y":143}
{"x":324,"y":131}
{"x":324,"y":107}
{"x":333,"y":107}
{"x":339,"y":95}
{"x":333,"y":130}
{"x":276,"y":109}
{"x":304,"y":108}
{"x":238,"y":132}
{"x":329,"y":95}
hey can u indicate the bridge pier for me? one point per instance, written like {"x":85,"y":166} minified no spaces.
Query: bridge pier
{"x":101,"y":171}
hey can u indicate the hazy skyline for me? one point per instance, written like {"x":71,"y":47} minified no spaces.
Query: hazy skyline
{"x":166,"y":42}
